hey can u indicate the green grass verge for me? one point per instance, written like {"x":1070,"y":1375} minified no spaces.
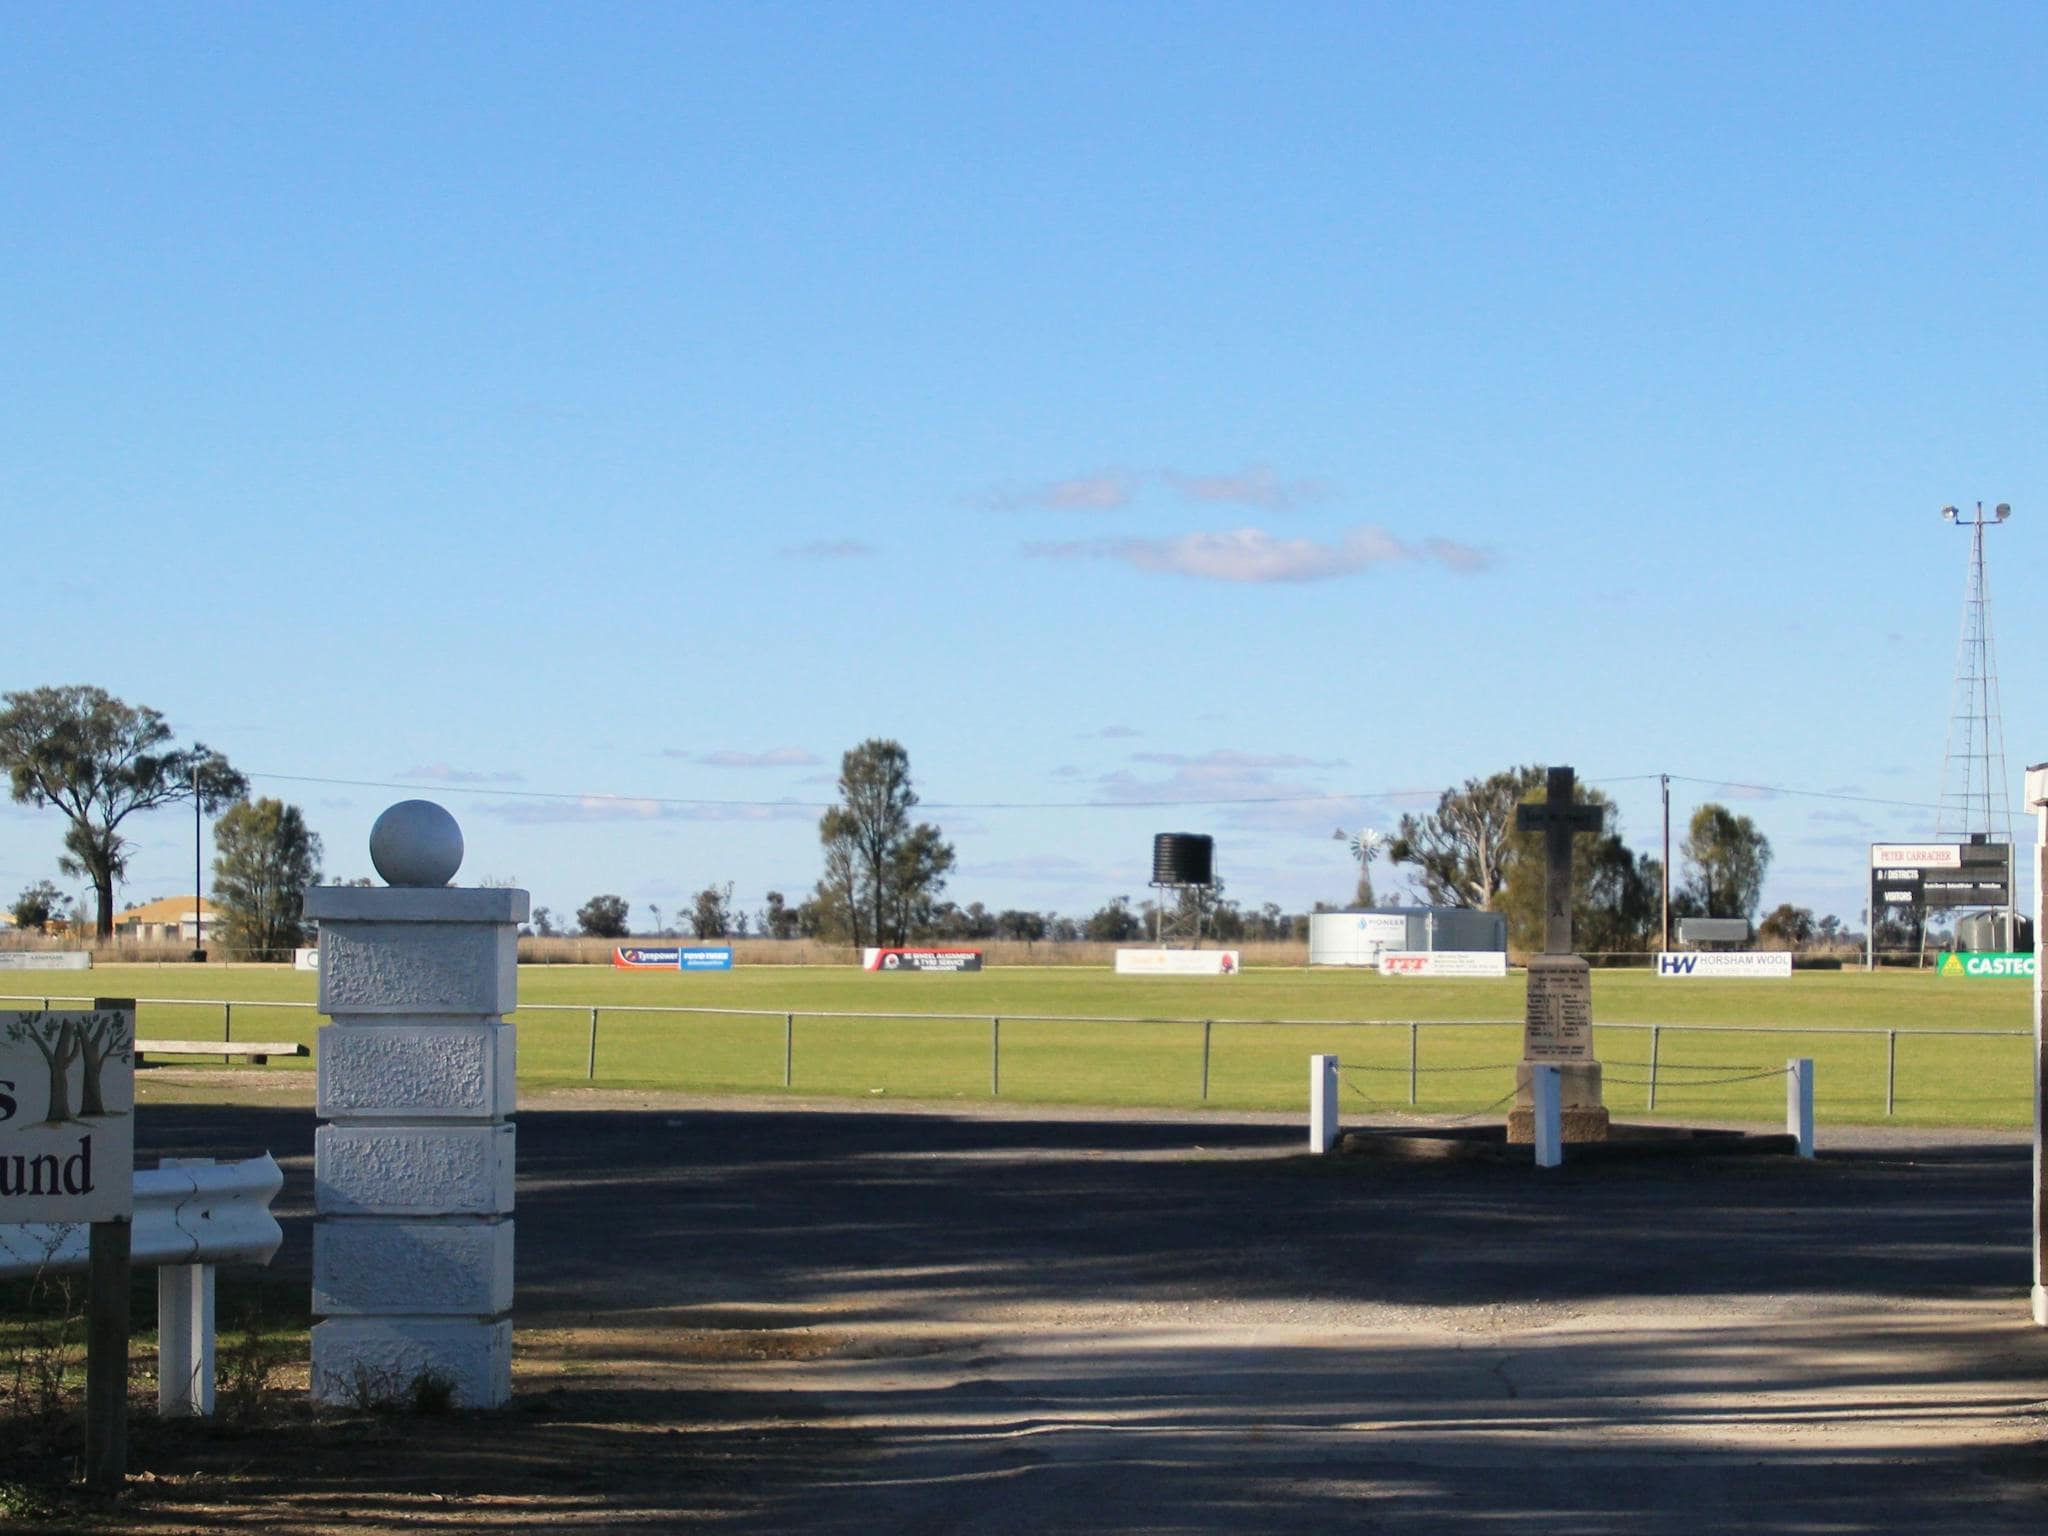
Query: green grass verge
{"x":1944,"y":1076}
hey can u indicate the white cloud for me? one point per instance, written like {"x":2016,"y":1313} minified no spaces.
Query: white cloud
{"x":1104,"y":491}
{"x":1224,"y":758}
{"x":442,"y":773}
{"x":1256,"y":486}
{"x":829,"y":549}
{"x":1036,"y":869}
{"x":1252,"y":555}
{"x":774,"y":757}
{"x":596,"y":809}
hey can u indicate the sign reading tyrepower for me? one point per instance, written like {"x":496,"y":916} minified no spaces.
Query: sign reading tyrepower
{"x":688,"y":957}
{"x":921,"y":959}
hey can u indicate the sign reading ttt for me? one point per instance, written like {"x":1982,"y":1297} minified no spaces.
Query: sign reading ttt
{"x":67,"y":1116}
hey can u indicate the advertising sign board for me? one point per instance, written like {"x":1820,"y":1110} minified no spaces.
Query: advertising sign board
{"x":921,"y":959}
{"x":1916,"y":856}
{"x":1940,"y":876}
{"x":1771,"y":965}
{"x":688,"y":957}
{"x":1177,"y":962}
{"x":67,"y":1116}
{"x":1443,"y":962}
{"x":2007,"y":966}
{"x":45,"y":960}
{"x":306,"y":959}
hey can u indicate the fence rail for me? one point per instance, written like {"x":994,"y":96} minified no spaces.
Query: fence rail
{"x":1660,"y":1073}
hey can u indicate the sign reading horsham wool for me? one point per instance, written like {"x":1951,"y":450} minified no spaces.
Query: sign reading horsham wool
{"x":1727,"y":965}
{"x":67,"y":1116}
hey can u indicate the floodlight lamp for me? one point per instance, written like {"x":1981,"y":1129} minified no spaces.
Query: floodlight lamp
{"x":2002,"y":511}
{"x":1948,"y":514}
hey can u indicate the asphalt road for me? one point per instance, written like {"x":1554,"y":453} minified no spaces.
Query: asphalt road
{"x":1158,"y":1324}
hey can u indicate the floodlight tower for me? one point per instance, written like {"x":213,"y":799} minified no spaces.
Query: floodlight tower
{"x":1974,"y":794}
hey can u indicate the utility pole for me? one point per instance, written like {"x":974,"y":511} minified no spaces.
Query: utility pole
{"x":1665,"y":780}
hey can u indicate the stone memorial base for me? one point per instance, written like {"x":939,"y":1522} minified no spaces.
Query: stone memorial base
{"x":1583,"y":1116}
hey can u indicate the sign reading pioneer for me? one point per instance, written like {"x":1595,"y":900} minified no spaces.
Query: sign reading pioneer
{"x":67,"y":1116}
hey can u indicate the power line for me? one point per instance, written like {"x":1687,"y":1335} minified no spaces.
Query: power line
{"x":1332,"y":796}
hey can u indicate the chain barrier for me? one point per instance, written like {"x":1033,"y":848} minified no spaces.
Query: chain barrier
{"x":1401,"y":1112}
{"x":1698,"y":1082}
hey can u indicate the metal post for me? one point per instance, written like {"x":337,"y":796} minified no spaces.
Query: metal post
{"x":1207,"y":1025}
{"x":1414,"y":1058}
{"x":1656,"y":1042}
{"x":227,"y":1021}
{"x":995,"y":1058}
{"x":788,"y":1050}
{"x":590,"y":1066}
{"x":1891,"y":1068}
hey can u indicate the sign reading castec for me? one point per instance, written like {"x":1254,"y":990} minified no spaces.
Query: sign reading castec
{"x":2005,"y":966}
{"x":67,"y":1116}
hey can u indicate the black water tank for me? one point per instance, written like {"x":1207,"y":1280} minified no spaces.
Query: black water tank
{"x":1183,"y":858}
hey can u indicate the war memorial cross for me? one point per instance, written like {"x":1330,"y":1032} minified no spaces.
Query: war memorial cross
{"x":1559,"y":820}
{"x":1557,"y":1027}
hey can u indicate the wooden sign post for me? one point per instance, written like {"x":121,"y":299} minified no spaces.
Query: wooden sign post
{"x":67,"y":1154}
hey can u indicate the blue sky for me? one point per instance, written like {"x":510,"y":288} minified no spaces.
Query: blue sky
{"x":1113,"y":403}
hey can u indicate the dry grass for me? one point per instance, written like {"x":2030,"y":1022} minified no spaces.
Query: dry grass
{"x":754,"y":952}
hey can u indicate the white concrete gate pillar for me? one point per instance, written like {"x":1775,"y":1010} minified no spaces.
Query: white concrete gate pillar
{"x":2037,"y":802}
{"x":412,"y":1237}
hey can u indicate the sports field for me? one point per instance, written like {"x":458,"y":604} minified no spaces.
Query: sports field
{"x":1073,"y":1035}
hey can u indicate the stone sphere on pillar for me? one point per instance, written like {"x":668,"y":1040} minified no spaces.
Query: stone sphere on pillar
{"x":416,"y":843}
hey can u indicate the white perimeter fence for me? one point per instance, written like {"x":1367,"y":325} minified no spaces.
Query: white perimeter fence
{"x":1385,"y":1087}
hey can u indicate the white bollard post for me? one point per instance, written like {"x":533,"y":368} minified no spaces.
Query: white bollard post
{"x":412,"y":1184}
{"x":1547,"y":1092}
{"x":185,"y":1340}
{"x":1799,"y":1102}
{"x":1322,"y":1103}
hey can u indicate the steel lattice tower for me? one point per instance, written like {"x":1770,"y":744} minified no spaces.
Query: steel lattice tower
{"x":1974,"y":794}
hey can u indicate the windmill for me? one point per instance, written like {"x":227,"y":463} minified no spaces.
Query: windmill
{"x":1365,"y":846}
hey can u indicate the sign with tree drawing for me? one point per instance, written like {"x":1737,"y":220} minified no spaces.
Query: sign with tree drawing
{"x":67,"y":1116}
